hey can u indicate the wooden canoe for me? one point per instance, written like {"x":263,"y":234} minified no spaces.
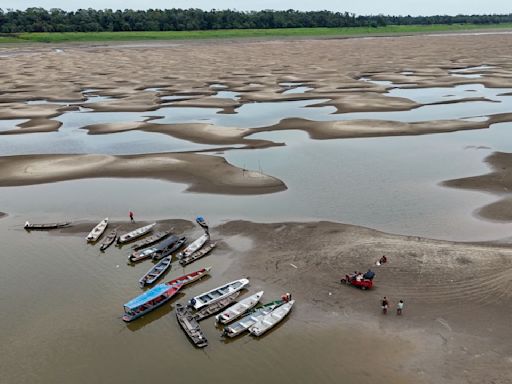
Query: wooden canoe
{"x":218,"y":306}
{"x":42,"y":227}
{"x":272,"y":319}
{"x":196,"y":245}
{"x":238,"y":309}
{"x":190,"y":325}
{"x":155,"y":238}
{"x":135,"y":234}
{"x":155,"y":272}
{"x":217,"y":294}
{"x":108,"y":240}
{"x":250,"y":319}
{"x":198,"y":254}
{"x":97,"y":231}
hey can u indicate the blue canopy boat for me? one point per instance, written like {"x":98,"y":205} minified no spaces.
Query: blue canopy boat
{"x":149,"y":300}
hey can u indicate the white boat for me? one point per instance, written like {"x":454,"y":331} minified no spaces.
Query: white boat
{"x":98,"y":230}
{"x":249,"y":320}
{"x":217,"y":294}
{"x":270,"y":320}
{"x":238,"y":309}
{"x":194,"y":246}
{"x":135,"y":234}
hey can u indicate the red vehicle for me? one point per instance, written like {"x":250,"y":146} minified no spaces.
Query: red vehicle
{"x":361,"y":283}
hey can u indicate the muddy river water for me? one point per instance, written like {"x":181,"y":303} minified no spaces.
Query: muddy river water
{"x":62,"y":299}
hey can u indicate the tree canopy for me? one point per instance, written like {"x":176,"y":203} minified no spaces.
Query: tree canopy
{"x":107,"y":20}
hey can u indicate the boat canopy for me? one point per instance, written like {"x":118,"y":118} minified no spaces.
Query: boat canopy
{"x":150,"y":294}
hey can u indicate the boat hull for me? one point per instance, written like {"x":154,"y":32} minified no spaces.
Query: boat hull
{"x":269,"y":321}
{"x":97,"y":231}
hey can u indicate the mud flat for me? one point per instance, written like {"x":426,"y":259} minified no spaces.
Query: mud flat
{"x":202,"y":173}
{"x":498,"y":182}
{"x":457,"y":295}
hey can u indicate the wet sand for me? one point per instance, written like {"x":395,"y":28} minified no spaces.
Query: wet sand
{"x":202,"y":173}
{"x":497,"y":182}
{"x":455,"y":326}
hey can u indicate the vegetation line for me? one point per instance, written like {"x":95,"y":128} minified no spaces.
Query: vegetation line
{"x":55,"y":37}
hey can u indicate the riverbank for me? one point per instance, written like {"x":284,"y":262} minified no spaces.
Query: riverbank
{"x":457,"y":298}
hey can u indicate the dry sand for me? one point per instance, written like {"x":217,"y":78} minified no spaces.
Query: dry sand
{"x":202,"y":173}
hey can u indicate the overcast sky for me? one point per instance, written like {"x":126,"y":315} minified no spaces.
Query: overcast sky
{"x":361,"y":7}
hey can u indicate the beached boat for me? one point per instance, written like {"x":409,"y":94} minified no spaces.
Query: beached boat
{"x":149,"y":300}
{"x":210,"y":310}
{"x":219,"y":293}
{"x":190,"y":325}
{"x":43,"y":227}
{"x":157,"y":251}
{"x":202,"y":222}
{"x":190,"y":277}
{"x":170,"y":249}
{"x":238,"y":309}
{"x":269,"y":321}
{"x":159,"y":294}
{"x":154,"y":238}
{"x":98,"y":230}
{"x":198,"y":254}
{"x":108,"y":240}
{"x":155,"y":272}
{"x":249,"y":320}
{"x":135,"y":234}
{"x":194,"y":246}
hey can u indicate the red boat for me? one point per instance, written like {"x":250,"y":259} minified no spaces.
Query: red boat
{"x":361,"y":283}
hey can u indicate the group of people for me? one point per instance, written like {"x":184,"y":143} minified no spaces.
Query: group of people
{"x":385,"y":305}
{"x":359,"y":276}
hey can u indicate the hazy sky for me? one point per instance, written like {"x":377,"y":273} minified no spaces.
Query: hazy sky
{"x":361,"y":7}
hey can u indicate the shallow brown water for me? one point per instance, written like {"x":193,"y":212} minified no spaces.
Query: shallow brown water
{"x":62,"y":303}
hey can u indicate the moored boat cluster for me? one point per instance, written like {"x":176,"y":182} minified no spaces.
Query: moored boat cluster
{"x":222,"y":301}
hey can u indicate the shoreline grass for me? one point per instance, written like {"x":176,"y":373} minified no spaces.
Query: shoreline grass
{"x":58,"y":37}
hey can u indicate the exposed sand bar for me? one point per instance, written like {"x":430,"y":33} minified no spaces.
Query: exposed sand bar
{"x":196,"y":132}
{"x":444,"y":285}
{"x":498,"y":182}
{"x":323,"y":130}
{"x":2,"y":214}
{"x":202,"y":173}
{"x":34,"y":126}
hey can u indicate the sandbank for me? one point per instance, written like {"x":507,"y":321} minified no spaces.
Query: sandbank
{"x":202,"y":173}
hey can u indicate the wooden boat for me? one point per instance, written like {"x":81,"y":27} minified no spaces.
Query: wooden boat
{"x":135,"y":234}
{"x":159,"y":294}
{"x":198,"y":254}
{"x":202,"y":222}
{"x":97,"y":231}
{"x":155,"y":238}
{"x":43,"y":227}
{"x":238,"y":309}
{"x":149,"y":300}
{"x":194,"y":246}
{"x":190,"y":325}
{"x":159,"y":249}
{"x":170,"y":249}
{"x":107,"y":242}
{"x":217,"y":294}
{"x":269,"y":321}
{"x":249,"y":320}
{"x":155,"y":272}
{"x":190,"y":278}
{"x":210,"y":310}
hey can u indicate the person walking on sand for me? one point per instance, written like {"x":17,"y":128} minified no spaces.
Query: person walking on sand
{"x":131,"y":216}
{"x":385,"y":305}
{"x":399,"y":307}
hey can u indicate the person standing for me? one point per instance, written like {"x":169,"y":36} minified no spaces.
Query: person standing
{"x":399,"y":307}
{"x":385,"y":305}
{"x":131,"y":216}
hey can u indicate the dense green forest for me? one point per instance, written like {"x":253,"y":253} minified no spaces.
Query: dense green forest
{"x":91,"y":20}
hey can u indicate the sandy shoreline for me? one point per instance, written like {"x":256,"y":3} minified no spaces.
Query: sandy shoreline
{"x":457,"y":294}
{"x":202,"y":173}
